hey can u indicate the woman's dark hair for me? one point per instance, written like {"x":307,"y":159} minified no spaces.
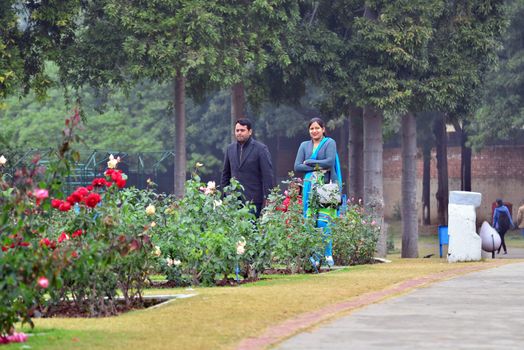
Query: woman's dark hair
{"x":499,"y":202}
{"x":316,"y":120}
{"x":244,"y":122}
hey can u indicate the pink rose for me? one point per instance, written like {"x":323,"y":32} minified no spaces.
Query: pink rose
{"x":41,"y":193}
{"x":43,"y":282}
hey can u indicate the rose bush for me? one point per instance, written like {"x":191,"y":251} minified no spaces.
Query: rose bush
{"x":201,"y":231}
{"x":293,"y":239}
{"x":355,"y":236}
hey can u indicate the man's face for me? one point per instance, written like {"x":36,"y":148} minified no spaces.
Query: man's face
{"x":242,"y":133}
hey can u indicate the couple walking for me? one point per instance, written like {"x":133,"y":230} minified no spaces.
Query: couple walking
{"x":249,"y":162}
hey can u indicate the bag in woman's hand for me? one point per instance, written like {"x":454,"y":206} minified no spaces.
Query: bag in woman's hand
{"x":329,"y":194}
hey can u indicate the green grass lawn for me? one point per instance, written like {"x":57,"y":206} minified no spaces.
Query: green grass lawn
{"x":220,"y":317}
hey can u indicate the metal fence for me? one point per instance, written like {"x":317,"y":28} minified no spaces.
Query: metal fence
{"x":139,"y":167}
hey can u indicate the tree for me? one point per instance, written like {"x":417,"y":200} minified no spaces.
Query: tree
{"x":501,"y":115}
{"x":32,"y":32}
{"x":169,"y":41}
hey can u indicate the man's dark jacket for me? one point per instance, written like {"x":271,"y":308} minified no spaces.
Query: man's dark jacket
{"x":254,"y":171}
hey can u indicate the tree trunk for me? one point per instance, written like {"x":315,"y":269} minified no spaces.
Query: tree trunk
{"x":426,"y":183}
{"x":180,"y":134}
{"x":343,"y":133}
{"x":355,"y":150}
{"x":441,"y":139}
{"x":373,"y":174}
{"x":465,"y":160}
{"x":409,"y":187}
{"x":237,"y":106}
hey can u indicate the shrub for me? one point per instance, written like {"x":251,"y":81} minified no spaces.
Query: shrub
{"x":291,"y":238}
{"x":202,"y":231}
{"x":355,"y":236}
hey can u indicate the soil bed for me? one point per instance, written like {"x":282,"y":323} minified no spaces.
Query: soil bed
{"x":70,"y":309}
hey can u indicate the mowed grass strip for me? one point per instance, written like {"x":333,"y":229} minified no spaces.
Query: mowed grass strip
{"x":220,"y":317}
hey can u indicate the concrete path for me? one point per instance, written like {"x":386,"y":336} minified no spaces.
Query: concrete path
{"x":479,"y":310}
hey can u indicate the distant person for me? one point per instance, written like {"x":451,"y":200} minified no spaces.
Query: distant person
{"x":520,"y":219}
{"x":249,"y":162}
{"x":502,"y":222}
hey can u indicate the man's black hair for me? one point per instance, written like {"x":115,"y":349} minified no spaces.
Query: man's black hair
{"x":244,"y":122}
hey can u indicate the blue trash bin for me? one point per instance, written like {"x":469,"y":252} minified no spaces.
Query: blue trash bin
{"x":443,"y":237}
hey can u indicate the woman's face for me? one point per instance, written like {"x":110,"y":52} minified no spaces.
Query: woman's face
{"x":316,"y":131}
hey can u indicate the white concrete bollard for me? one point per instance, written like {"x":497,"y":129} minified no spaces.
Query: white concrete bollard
{"x":464,"y":242}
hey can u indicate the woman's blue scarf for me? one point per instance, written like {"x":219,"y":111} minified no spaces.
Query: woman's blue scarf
{"x":306,"y":189}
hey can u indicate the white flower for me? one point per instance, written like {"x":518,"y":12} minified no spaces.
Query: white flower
{"x":3,"y":160}
{"x":217,"y":203}
{"x":153,"y":224}
{"x":150,"y":210}
{"x":211,"y":187}
{"x":241,"y":247}
{"x":111,"y":164}
{"x":173,"y":262}
{"x":157,"y":251}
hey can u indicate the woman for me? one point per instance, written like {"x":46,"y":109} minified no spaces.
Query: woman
{"x":318,"y":160}
{"x":502,"y":223}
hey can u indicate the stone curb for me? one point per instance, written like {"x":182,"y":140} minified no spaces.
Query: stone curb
{"x":279,"y":332}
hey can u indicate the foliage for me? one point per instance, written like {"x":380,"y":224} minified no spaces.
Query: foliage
{"x":31,"y":33}
{"x":293,"y":239}
{"x":355,"y":236}
{"x":199,"y":233}
{"x":501,"y":115}
{"x":105,"y":243}
{"x":27,"y":268}
{"x":22,"y":262}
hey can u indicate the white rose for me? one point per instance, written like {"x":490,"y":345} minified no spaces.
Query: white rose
{"x":241,"y":247}
{"x":150,"y":210}
{"x":3,"y":160}
{"x":153,"y":224}
{"x":111,"y":164}
{"x":176,"y":262}
{"x":169,"y":262}
{"x":157,"y":251}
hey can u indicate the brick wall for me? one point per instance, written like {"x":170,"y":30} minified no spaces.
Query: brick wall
{"x":496,"y":172}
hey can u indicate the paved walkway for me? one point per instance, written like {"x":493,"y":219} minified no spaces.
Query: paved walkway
{"x":478,"y":310}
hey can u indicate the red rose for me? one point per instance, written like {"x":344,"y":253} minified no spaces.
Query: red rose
{"x":77,"y":233}
{"x":64,"y":206}
{"x":121,"y":183}
{"x":74,"y":198}
{"x":45,"y":241}
{"x":55,"y":203}
{"x":81,"y":191}
{"x":98,"y":182}
{"x":92,"y":199}
{"x":63,"y":237}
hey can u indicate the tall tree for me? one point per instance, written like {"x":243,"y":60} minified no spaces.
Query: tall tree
{"x":169,"y":41}
{"x":32,"y":32}
{"x":501,"y":115}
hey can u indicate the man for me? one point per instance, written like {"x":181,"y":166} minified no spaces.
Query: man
{"x":249,"y":162}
